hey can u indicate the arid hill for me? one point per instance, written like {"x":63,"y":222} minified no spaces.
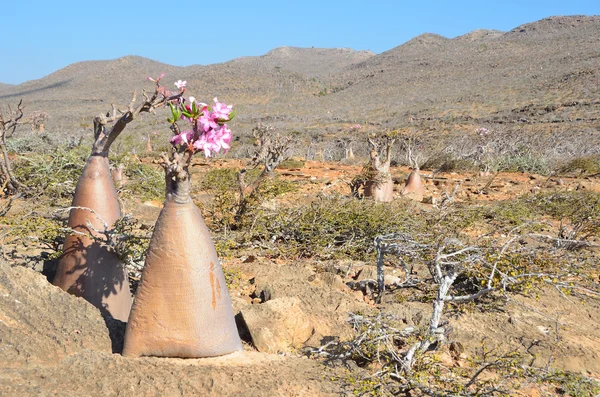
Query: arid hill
{"x":544,"y":75}
{"x":312,"y":62}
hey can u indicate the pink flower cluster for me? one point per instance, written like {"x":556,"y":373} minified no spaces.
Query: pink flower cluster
{"x":482,"y":131}
{"x":209,"y":132}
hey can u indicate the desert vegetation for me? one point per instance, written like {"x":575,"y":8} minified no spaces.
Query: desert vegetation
{"x":445,"y":246}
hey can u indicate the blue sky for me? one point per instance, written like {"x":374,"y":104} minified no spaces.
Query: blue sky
{"x":40,"y":37}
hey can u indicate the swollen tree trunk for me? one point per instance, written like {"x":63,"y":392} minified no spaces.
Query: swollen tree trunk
{"x":380,"y":185}
{"x":182,"y":307}
{"x":350,"y":155}
{"x":414,"y":185}
{"x":381,"y":190}
{"x":88,"y":267}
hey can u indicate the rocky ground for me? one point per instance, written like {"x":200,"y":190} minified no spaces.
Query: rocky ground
{"x":54,"y":344}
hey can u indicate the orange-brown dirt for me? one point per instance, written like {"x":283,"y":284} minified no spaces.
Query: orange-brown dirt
{"x":54,"y":344}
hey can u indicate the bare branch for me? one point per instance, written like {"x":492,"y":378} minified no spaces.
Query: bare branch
{"x":104,"y":139}
{"x":8,"y":124}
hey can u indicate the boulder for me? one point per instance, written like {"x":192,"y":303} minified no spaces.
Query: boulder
{"x":279,"y":325}
{"x":41,"y":324}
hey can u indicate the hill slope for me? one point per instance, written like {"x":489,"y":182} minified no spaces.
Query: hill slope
{"x":544,"y":72}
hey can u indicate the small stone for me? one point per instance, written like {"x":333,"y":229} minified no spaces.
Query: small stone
{"x":429,"y":200}
{"x":413,"y":196}
{"x":456,"y":348}
{"x":543,"y":330}
{"x":334,"y":281}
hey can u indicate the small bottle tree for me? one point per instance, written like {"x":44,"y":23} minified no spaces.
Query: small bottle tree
{"x":182,"y":307}
{"x":378,"y":182}
{"x":414,"y":185}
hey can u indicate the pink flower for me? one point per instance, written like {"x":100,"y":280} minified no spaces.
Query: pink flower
{"x":221,"y":110}
{"x":208,"y":134}
{"x":207,"y":144}
{"x":223,"y":137}
{"x":184,"y":137}
{"x":207,"y":121}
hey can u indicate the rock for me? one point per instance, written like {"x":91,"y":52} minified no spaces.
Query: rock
{"x":52,"y":343}
{"x":248,"y":259}
{"x":370,"y":273}
{"x":41,"y":324}
{"x":543,"y":330}
{"x":429,"y":200}
{"x":456,"y":349}
{"x":530,"y":391}
{"x":333,"y":280}
{"x":279,"y":325}
{"x":266,"y":294}
{"x":413,"y":196}
{"x":589,"y":186}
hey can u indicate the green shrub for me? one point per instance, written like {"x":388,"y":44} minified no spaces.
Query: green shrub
{"x":447,"y":163}
{"x":53,"y":175}
{"x":522,"y":163}
{"x":572,"y":384}
{"x":145,"y":181}
{"x":510,"y":213}
{"x":582,"y":165}
{"x":46,"y":231}
{"x":220,"y":179}
{"x":42,"y":143}
{"x":578,"y":212}
{"x":331,"y":228}
{"x":223,"y":185}
{"x":291,"y":163}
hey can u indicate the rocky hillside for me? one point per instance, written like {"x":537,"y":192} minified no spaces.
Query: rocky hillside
{"x":312,"y":62}
{"x":480,"y":75}
{"x":544,"y":75}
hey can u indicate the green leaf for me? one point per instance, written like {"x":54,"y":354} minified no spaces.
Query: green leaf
{"x":232,"y":114}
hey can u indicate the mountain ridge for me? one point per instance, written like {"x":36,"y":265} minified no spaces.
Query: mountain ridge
{"x":484,"y":76}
